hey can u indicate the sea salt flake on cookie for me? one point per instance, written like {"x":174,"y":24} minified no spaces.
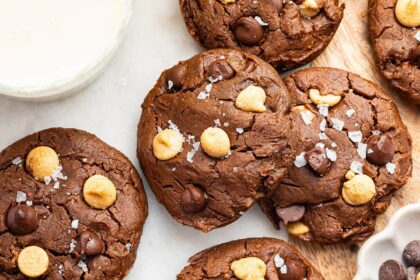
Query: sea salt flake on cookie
{"x":278,"y":261}
{"x":390,"y":167}
{"x":331,"y":154}
{"x":261,"y":21}
{"x":300,"y":160}
{"x":323,"y":136}
{"x":20,"y":197}
{"x":83,"y":266}
{"x":17,"y":161}
{"x":361,"y":149}
{"x":376,"y":132}
{"x":337,"y":124}
{"x":417,"y":36}
{"x":240,"y":130}
{"x":350,"y":112}
{"x":323,"y":124}
{"x":75,"y":224}
{"x":217,"y":122}
{"x":323,"y":109}
{"x":357,"y":167}
{"x":355,"y":136}
{"x":306,"y":117}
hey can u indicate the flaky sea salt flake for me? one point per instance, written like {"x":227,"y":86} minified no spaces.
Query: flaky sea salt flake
{"x":357,"y":167}
{"x":350,"y":112}
{"x":261,"y":21}
{"x":355,"y":136}
{"x":390,"y":167}
{"x":361,"y":149}
{"x":337,"y":124}
{"x":240,"y":130}
{"x":300,"y":160}
{"x":20,"y":197}
{"x":83,"y":266}
{"x":331,"y":154}
{"x":17,"y":161}
{"x":75,"y":224}
{"x":323,"y":109}
{"x":278,"y":261}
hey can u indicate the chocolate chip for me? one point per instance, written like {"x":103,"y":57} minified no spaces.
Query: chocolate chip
{"x":248,"y":31}
{"x":22,"y":219}
{"x":412,"y":273}
{"x":391,"y":270}
{"x":290,"y":214}
{"x":318,"y":160}
{"x":174,"y":77}
{"x":193,"y":199}
{"x":411,"y":253}
{"x":380,"y":149}
{"x":295,"y":270}
{"x":89,"y":244}
{"x":221,"y":68}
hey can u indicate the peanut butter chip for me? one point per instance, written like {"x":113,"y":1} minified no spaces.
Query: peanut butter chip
{"x":297,"y":228}
{"x":99,"y":192}
{"x":309,"y":8}
{"x":318,"y":99}
{"x":167,"y":144}
{"x":250,"y":268}
{"x":251,"y":99}
{"x":33,"y":261}
{"x":359,"y":189}
{"x":215,"y":142}
{"x":41,"y":162}
{"x":407,"y":12}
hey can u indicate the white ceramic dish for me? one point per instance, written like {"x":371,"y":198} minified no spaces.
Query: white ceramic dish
{"x":60,"y":53}
{"x":403,"y":227}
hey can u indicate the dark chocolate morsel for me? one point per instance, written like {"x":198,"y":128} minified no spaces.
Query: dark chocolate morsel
{"x":89,"y":244}
{"x":193,"y":199}
{"x":22,"y":219}
{"x":411,"y":253}
{"x":318,"y":160}
{"x":290,"y":214}
{"x":221,"y":68}
{"x":391,"y":270}
{"x":295,"y":270}
{"x":380,"y":149}
{"x":174,"y":77}
{"x":248,"y":31}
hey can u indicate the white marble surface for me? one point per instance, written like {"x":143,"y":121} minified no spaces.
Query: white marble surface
{"x":110,"y":108}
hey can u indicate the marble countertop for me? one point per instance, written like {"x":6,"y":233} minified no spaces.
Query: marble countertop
{"x":110,"y":108}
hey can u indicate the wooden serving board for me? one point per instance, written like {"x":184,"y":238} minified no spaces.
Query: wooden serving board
{"x":351,"y":50}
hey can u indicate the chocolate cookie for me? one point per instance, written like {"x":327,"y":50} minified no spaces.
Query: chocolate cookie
{"x":213,"y":133}
{"x":71,"y":207}
{"x":253,"y":258}
{"x":394,"y":27}
{"x":286,"y":34}
{"x":354,"y":153}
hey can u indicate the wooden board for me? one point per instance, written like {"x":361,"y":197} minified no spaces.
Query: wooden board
{"x":350,"y":50}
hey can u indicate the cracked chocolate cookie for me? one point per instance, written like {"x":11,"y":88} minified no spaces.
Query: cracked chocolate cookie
{"x":354,"y":153}
{"x":394,"y":27}
{"x":71,"y":207}
{"x":213,"y":133}
{"x":286,"y":34}
{"x":253,"y":258}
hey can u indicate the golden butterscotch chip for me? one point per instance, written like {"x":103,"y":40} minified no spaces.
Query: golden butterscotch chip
{"x":215,"y":142}
{"x":407,"y":12}
{"x":309,"y":8}
{"x":167,"y":144}
{"x":251,"y":99}
{"x":41,"y":162}
{"x":250,"y":268}
{"x":319,"y":99}
{"x":33,"y":261}
{"x":297,"y":228}
{"x":359,"y":189}
{"x":99,"y":192}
